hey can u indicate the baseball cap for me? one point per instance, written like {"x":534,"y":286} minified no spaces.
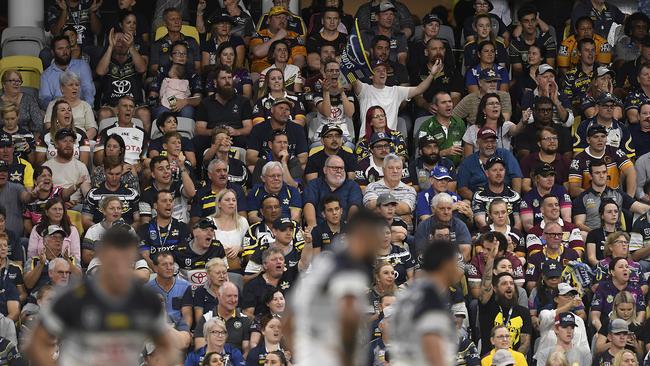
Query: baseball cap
{"x":440,"y":172}
{"x":564,"y":288}
{"x":282,"y":100}
{"x":69,"y":28}
{"x":386,"y":199}
{"x":430,"y":18}
{"x":502,"y":357}
{"x":604,"y":70}
{"x":329,"y":128}
{"x":596,"y":128}
{"x":378,"y":136}
{"x":281,"y":223}
{"x":618,"y":326}
{"x":63,"y":133}
{"x":386,"y":6}
{"x":220,"y":17}
{"x":607,"y":98}
{"x":551,"y":268}
{"x":486,"y":133}
{"x":544,"y":170}
{"x":278,"y":10}
{"x":4,"y":166}
{"x":426,"y":140}
{"x":377,"y":63}
{"x":565,"y":320}
{"x":205,"y":223}
{"x":494,"y":160}
{"x":53,"y":229}
{"x":5,"y":139}
{"x":489,"y":75}
{"x":544,"y":68}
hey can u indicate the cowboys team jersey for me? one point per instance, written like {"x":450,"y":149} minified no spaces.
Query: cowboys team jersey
{"x":421,"y":310}
{"x":640,"y":235}
{"x":96,"y":331}
{"x":316,"y":308}
{"x":259,"y":235}
{"x":192,"y":265}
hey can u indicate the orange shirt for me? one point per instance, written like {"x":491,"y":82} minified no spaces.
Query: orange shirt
{"x":567,"y":54}
{"x":296,"y":48}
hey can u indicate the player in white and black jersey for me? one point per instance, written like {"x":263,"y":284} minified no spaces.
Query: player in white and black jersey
{"x":328,"y":305}
{"x":422,"y":330}
{"x":106,"y":319}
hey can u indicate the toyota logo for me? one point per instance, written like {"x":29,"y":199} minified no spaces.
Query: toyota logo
{"x":122,"y":86}
{"x":199,"y":277}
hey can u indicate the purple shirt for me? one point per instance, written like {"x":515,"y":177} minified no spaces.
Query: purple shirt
{"x":604,"y":297}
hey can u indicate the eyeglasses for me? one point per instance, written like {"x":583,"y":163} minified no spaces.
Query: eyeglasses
{"x":336,"y":168}
{"x":14,"y":81}
{"x":556,"y":235}
{"x":381,"y":146}
{"x":179,"y":53}
{"x":220,"y":333}
{"x":621,"y":242}
{"x":549,"y":138}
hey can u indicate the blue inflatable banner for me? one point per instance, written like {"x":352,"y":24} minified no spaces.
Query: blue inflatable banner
{"x":354,"y":60}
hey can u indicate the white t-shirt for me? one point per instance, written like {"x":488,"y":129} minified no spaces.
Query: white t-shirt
{"x":232,"y":238}
{"x":389,"y":98}
{"x":66,"y":175}
{"x":547,"y":336}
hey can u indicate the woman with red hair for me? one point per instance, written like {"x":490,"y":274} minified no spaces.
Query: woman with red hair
{"x":376,"y":123}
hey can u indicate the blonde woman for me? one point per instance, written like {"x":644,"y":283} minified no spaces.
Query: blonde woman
{"x":624,"y":307}
{"x":626,"y":358}
{"x":231,"y":227}
{"x":82,"y":111}
{"x":557,"y":358}
{"x":205,"y":297}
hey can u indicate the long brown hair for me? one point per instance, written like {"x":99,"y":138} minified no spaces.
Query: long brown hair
{"x":54,"y":121}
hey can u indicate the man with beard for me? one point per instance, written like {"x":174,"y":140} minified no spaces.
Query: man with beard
{"x":182,"y":189}
{"x":552,"y":253}
{"x":498,"y":305}
{"x":224,"y":108}
{"x":396,"y":72}
{"x":68,"y":172}
{"x":421,"y":327}
{"x":495,"y":171}
{"x":218,"y":180}
{"x":549,"y":147}
{"x":325,"y":320}
{"x":50,"y":87}
{"x":331,"y":137}
{"x":467,"y":108}
{"x":429,"y":159}
{"x":547,"y":142}
{"x":164,"y":233}
{"x":333,"y":182}
{"x":445,"y":129}
{"x":121,"y":69}
{"x":471,"y":175}
{"x":418,"y":55}
{"x":133,"y":135}
{"x":448,"y":80}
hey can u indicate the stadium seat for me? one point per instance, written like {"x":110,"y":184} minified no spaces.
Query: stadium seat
{"x":187,"y":30}
{"x":30,"y":69}
{"x":416,"y":127}
{"x":185,"y":128}
{"x":106,"y":122}
{"x":24,"y":41}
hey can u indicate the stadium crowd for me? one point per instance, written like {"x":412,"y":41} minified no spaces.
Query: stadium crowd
{"x":482,"y":197}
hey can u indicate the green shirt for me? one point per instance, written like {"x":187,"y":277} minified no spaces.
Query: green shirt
{"x":454,"y":133}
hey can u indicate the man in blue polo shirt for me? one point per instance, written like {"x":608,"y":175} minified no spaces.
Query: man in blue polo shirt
{"x":334,"y":182}
{"x":471,"y":175}
{"x":439,"y":180}
{"x":173,"y":289}
{"x":290,"y":200}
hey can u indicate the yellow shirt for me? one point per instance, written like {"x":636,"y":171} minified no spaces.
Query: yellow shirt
{"x":567,"y":54}
{"x":520,"y":359}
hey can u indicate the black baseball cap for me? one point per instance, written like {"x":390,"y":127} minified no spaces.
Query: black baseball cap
{"x":282,"y":223}
{"x":205,"y":223}
{"x":552,"y":268}
{"x":494,"y":160}
{"x":544,"y":170}
{"x":378,"y":136}
{"x":329,"y":128}
{"x":4,"y":167}
{"x":596,"y":128}
{"x":221,"y":17}
{"x":63,"y":133}
{"x":565,"y":320}
{"x":430,"y":18}
{"x":426,"y":140}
